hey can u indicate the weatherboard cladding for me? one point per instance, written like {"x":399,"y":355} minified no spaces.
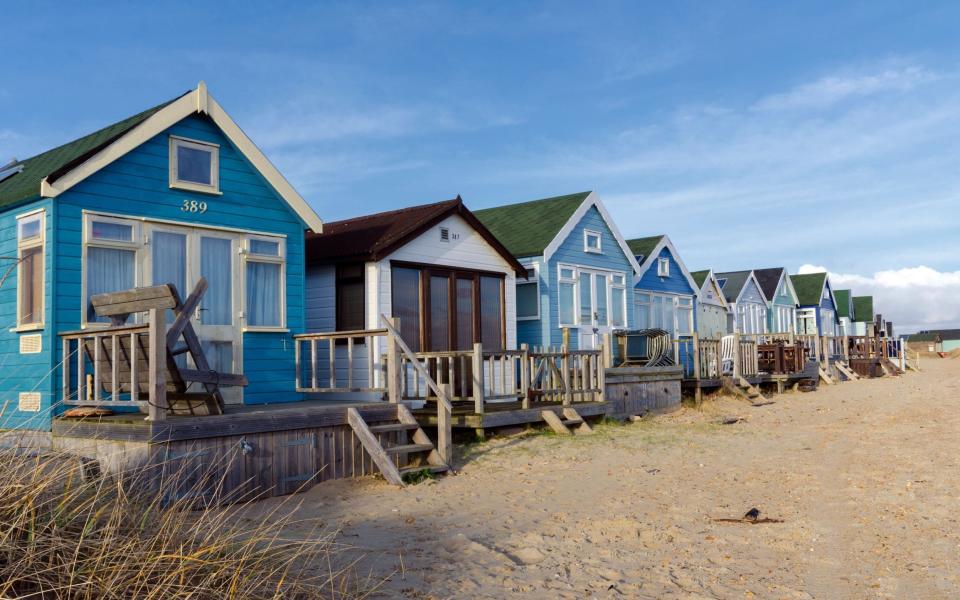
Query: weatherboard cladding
{"x":675,"y":283}
{"x":527,"y":228}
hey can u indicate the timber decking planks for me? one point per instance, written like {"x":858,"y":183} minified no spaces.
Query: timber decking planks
{"x":506,"y":417}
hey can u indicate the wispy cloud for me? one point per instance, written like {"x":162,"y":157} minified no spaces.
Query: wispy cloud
{"x":830,"y":90}
{"x":912,"y":298}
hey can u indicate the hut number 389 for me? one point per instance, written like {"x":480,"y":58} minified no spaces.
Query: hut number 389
{"x":193,"y":206}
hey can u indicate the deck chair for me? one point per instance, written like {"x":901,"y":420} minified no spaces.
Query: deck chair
{"x":727,"y":354}
{"x":182,"y":397}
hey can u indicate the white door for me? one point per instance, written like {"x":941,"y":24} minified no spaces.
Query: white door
{"x":594,"y":308}
{"x":181,"y":255}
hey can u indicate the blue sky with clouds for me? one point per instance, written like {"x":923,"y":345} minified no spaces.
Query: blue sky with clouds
{"x":754,"y":134}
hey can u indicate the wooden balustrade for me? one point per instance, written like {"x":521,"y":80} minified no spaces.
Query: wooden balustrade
{"x":94,"y":367}
{"x":341,"y":361}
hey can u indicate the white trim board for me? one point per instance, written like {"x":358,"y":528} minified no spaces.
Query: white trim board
{"x":655,"y":253}
{"x":592,"y":200}
{"x":197,"y":101}
{"x":712,"y":279}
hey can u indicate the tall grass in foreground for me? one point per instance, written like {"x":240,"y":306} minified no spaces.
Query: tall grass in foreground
{"x":67,"y":536}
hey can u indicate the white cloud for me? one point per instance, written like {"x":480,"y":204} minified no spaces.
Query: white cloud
{"x":829,"y":90}
{"x":913,"y":298}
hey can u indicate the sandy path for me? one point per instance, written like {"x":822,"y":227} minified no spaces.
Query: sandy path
{"x":865,"y":476}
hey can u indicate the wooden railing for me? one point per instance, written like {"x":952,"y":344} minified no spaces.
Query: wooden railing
{"x":92,"y":377}
{"x":341,"y":361}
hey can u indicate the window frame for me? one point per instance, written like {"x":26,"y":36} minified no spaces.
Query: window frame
{"x":641,"y":305}
{"x":39,"y":241}
{"x":340,"y":279}
{"x":611,"y":286}
{"x":532,"y":278}
{"x":176,"y":183}
{"x":89,"y":241}
{"x":280,"y":259}
{"x":575,"y":281}
{"x":587,"y":234}
{"x":663,"y":267}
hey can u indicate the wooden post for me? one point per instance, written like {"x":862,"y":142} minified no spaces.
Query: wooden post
{"x":157,"y":360}
{"x":565,"y":375}
{"x":566,"y":337}
{"x":65,"y":371}
{"x":394,"y":372}
{"x":696,"y":361}
{"x":736,"y":355}
{"x":607,"y":350}
{"x":602,"y":372}
{"x":525,"y":375}
{"x":478,"y":379}
{"x":444,"y":425}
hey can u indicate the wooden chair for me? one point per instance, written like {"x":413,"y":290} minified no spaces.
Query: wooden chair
{"x":117,"y":364}
{"x":727,"y":354}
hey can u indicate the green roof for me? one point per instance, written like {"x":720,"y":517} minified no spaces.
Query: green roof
{"x":526,"y":229}
{"x":843,"y":302}
{"x":643,"y":247}
{"x":923,"y":337}
{"x":700,"y":277}
{"x":25,"y":185}
{"x":863,"y":308}
{"x":809,"y":288}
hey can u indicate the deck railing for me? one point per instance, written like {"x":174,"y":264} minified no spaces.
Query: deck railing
{"x":92,"y":375}
{"x":341,"y":361}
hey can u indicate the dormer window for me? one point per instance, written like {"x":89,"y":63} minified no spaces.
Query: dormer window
{"x":663,"y":267}
{"x":194,"y":165}
{"x":592,"y":241}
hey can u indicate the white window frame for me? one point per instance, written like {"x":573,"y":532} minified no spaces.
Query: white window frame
{"x":575,"y":280}
{"x":214,"y":149}
{"x":40,"y":241}
{"x":674,"y":299}
{"x":532,"y":278}
{"x":663,"y":267}
{"x":136,"y":243}
{"x":610,"y":275}
{"x":280,"y":259}
{"x":587,"y":234}
{"x":613,"y":285}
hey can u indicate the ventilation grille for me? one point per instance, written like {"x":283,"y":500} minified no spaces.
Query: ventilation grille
{"x":29,"y":401}
{"x":31,"y":344}
{"x":444,"y":234}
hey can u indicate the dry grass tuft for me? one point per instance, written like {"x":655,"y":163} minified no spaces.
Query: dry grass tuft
{"x":63,"y":535}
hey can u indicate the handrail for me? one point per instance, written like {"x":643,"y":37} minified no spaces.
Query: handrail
{"x":441,"y":395}
{"x":354,"y":333}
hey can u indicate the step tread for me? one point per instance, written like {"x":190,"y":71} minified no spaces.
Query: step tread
{"x":569,"y":422}
{"x":408,"y":448}
{"x":393,"y":427}
{"x":431,"y":468}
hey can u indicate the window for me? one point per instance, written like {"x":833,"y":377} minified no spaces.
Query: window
{"x":592,"y":241}
{"x":807,"y":321}
{"x":30,"y":270}
{"x":663,"y":267}
{"x":406,"y":304}
{"x":194,"y":165}
{"x":665,"y":311}
{"x":350,"y":297}
{"x":618,"y":301}
{"x":491,"y":312}
{"x":110,"y":263}
{"x":643,"y":310}
{"x":264,"y":282}
{"x":684,"y":316}
{"x":528,"y":295}
{"x":567,"y":290}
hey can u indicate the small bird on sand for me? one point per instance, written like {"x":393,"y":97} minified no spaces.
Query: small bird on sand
{"x":752,"y":515}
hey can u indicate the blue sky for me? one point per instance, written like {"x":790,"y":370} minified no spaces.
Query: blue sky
{"x":753,"y":134}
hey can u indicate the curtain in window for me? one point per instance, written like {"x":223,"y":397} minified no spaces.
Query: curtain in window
{"x":465,"y":314}
{"x":170,"y":260}
{"x":406,"y":304}
{"x":491,"y":312}
{"x":215,"y":267}
{"x":31,"y":285}
{"x":263,"y":294}
{"x":566,"y":303}
{"x":439,"y":314}
{"x":108,"y":270}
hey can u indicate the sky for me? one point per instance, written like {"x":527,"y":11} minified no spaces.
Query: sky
{"x":817,"y":134}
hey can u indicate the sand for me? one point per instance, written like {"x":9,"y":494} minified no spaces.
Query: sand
{"x":865,"y":477}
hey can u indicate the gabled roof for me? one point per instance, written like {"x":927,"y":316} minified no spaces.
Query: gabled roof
{"x":527,"y":228}
{"x":734,"y":284}
{"x":944,"y":334}
{"x":58,"y":170}
{"x":699,"y":277}
{"x":49,"y":165}
{"x":863,"y":309}
{"x":843,"y":302}
{"x":924,"y":337}
{"x":643,"y":248}
{"x":769,"y":280}
{"x":374,"y":237}
{"x":809,"y":288}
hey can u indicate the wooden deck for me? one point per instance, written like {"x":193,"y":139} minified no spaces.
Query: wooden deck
{"x":503,"y":414}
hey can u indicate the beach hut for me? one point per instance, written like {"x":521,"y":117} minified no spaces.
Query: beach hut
{"x":925,"y":342}
{"x":712,"y":321}
{"x":844,"y":300}
{"x":579,"y":267}
{"x":172,"y":194}
{"x":863,"y":317}
{"x":748,"y":307}
{"x":817,"y":314}
{"x":781,"y":299}
{"x":665,"y":292}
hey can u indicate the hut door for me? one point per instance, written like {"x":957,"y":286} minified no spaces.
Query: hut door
{"x":594,"y":308}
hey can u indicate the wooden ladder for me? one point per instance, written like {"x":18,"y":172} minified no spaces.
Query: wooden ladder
{"x":398,"y":447}
{"x":825,"y":377}
{"x":571,"y":423}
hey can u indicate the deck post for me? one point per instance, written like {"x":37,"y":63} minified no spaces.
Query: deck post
{"x":696,"y":359}
{"x":607,"y":350}
{"x":736,"y":355}
{"x":444,"y":425}
{"x":525,"y":375}
{"x":393,"y":366}
{"x":566,"y":337}
{"x":478,"y":382}
{"x":565,"y":373}
{"x":602,"y":371}
{"x":158,"y":364}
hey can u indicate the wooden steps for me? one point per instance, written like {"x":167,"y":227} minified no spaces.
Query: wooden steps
{"x":847,"y":371}
{"x":570,"y":424}
{"x":825,"y":377}
{"x":889,"y":367}
{"x":743,"y":388}
{"x":391,"y":448}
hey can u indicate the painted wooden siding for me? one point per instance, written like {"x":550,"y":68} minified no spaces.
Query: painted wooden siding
{"x":138,"y":185}
{"x":752,"y":294}
{"x":710,"y":294}
{"x":571,"y":252}
{"x":783,"y":296}
{"x":711,"y":321}
{"x":676,"y":283}
{"x":532,"y":331}
{"x":25,"y":372}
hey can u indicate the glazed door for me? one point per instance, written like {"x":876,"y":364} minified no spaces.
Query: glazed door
{"x":594,"y":304}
